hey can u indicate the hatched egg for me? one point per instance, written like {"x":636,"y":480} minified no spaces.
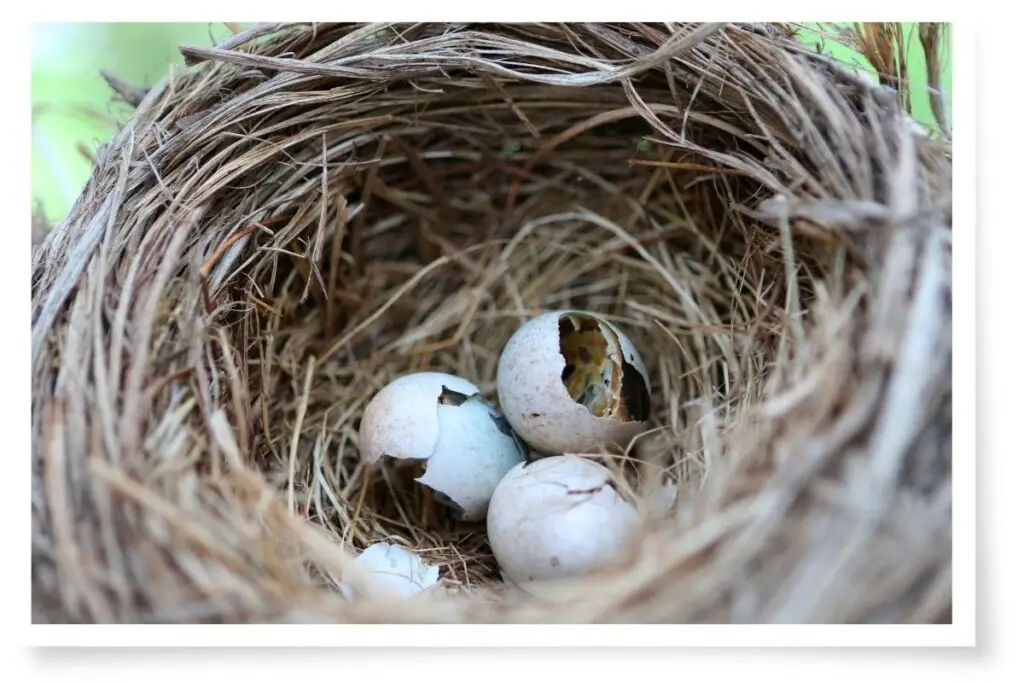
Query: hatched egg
{"x":570,"y":382}
{"x":557,"y":518}
{"x":464,"y":443}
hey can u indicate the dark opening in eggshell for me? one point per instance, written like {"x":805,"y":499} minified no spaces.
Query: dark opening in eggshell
{"x":596,"y":374}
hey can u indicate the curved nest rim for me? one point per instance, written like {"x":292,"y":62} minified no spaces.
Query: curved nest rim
{"x":314,"y":209}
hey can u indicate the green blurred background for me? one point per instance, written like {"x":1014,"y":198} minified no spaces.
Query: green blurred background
{"x":73,"y":111}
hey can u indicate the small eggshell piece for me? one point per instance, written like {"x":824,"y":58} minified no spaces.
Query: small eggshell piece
{"x":557,"y":518}
{"x":662,"y":499}
{"x":398,"y":570}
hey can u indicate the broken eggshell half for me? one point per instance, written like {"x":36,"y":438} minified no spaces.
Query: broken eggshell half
{"x":571,"y":382}
{"x":463,"y":442}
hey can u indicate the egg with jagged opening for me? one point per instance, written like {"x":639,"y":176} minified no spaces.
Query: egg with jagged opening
{"x":462,"y":444}
{"x":571,"y":382}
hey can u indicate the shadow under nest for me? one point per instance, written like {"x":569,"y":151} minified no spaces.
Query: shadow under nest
{"x":268,"y":247}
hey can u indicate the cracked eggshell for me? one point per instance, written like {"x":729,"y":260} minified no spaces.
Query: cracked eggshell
{"x":474,"y":450}
{"x":397,"y":569}
{"x":465,"y":443}
{"x":401,"y":419}
{"x":557,"y":518}
{"x":537,"y":402}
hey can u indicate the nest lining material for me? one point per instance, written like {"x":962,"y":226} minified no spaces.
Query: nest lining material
{"x":314,"y":210}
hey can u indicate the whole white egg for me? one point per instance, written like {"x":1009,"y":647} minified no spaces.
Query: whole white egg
{"x":465,"y":442}
{"x":557,"y":518}
{"x":571,"y":382}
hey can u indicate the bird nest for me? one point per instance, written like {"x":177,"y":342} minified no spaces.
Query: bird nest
{"x":309,"y":211}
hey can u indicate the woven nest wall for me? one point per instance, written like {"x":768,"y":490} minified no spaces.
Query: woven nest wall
{"x":314,"y":210}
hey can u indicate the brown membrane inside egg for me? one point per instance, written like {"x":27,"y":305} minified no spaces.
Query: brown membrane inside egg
{"x":595,"y":373}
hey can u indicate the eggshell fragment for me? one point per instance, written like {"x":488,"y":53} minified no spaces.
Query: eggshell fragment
{"x":557,"y":518}
{"x":536,"y":400}
{"x":396,"y":569}
{"x":662,"y":499}
{"x":466,"y":444}
{"x":401,"y":420}
{"x":475,"y":449}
